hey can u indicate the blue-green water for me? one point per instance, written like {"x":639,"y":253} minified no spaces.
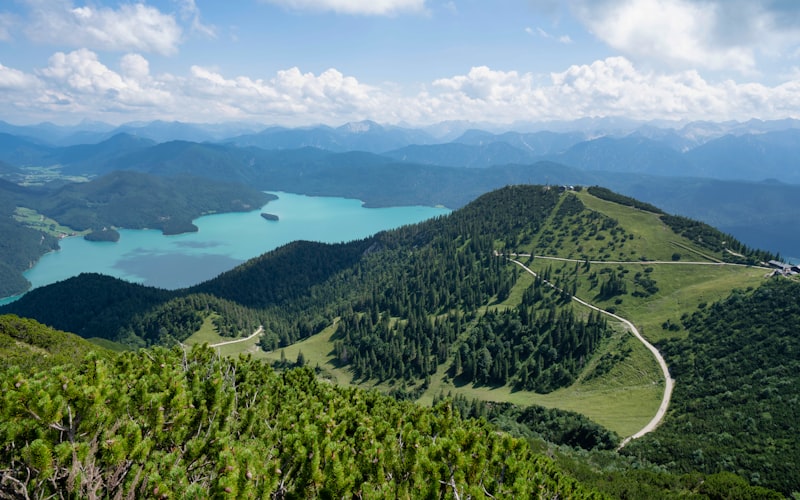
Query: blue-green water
{"x":222,"y":242}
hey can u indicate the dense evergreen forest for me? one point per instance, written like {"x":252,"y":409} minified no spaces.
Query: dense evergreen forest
{"x":131,"y":314}
{"x":735,"y":406}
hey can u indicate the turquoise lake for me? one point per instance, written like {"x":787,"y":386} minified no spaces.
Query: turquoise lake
{"x":222,"y":242}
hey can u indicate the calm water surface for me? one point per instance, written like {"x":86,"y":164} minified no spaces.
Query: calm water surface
{"x":223,"y":241}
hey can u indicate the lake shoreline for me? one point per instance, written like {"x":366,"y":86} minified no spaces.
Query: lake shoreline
{"x":224,"y":240}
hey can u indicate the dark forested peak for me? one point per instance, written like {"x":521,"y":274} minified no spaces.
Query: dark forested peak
{"x":284,"y":274}
{"x":608,"y":195}
{"x":137,"y":200}
{"x":517,"y":200}
{"x":77,"y":304}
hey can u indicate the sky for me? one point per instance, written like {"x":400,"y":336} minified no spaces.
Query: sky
{"x":404,"y":62}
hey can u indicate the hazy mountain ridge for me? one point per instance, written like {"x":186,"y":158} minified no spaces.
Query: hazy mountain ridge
{"x":690,"y":169}
{"x":752,"y":150}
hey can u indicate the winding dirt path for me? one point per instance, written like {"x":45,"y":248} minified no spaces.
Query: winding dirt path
{"x":643,"y":262}
{"x":669,"y":382}
{"x":258,"y":331}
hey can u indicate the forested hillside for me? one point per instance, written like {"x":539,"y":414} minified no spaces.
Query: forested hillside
{"x":738,"y":386}
{"x":136,"y":200}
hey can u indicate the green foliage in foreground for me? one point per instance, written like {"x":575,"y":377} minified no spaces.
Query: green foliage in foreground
{"x":735,"y":406}
{"x":164,"y":423}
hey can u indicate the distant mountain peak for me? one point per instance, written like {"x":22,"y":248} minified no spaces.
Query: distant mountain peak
{"x":360,"y":127}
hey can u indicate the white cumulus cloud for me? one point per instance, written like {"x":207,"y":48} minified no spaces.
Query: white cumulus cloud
{"x":359,"y":7}
{"x":131,"y":27}
{"x":290,"y":97}
{"x":710,"y":34}
{"x":78,"y":83}
{"x":609,"y":87}
{"x":79,"y":78}
{"x":15,"y":80}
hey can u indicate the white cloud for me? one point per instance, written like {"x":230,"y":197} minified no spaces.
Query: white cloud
{"x":135,"y":67}
{"x":359,"y":7}
{"x":15,"y":80}
{"x":78,"y":84}
{"x":610,"y":87}
{"x":712,"y":34}
{"x":89,"y":86}
{"x":135,"y":27}
{"x":290,"y":97}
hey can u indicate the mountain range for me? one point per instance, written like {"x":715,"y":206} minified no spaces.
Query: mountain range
{"x":741,"y":177}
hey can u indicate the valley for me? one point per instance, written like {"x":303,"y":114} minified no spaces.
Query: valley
{"x":574,"y":318}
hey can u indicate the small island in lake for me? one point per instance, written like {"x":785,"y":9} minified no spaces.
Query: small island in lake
{"x":105,"y":234}
{"x":269,"y":216}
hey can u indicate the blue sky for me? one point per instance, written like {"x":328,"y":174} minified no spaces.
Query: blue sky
{"x":412,"y":62}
